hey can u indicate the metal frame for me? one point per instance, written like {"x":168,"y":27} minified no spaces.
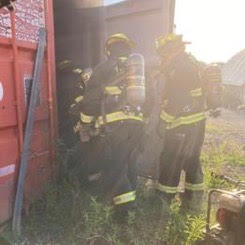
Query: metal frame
{"x":16,"y":226}
{"x":210,"y":194}
{"x":17,"y":82}
{"x":49,"y":16}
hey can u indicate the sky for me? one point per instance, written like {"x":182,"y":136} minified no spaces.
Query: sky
{"x":107,"y":2}
{"x":215,"y":27}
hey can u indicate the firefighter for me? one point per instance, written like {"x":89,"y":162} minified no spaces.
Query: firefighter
{"x":182,"y":121}
{"x":110,"y":127}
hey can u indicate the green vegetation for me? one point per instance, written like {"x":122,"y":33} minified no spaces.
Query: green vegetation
{"x":223,"y":157}
{"x":68,"y":214}
{"x":64,"y":217}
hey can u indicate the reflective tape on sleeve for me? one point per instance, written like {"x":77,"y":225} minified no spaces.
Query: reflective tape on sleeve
{"x":77,"y":71}
{"x":173,"y":122}
{"x":118,"y":116}
{"x":79,"y":99}
{"x":125,"y":198}
{"x":85,"y":118}
{"x":196,"y":92}
{"x":113,"y":90}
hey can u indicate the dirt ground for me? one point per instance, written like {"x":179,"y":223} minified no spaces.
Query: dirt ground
{"x":232,"y":124}
{"x":226,"y":134}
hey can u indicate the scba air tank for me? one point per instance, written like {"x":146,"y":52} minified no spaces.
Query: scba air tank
{"x":135,"y":80}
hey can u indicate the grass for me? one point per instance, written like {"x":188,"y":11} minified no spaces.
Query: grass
{"x":64,"y":217}
{"x":225,"y":157}
{"x":214,"y":129}
{"x":68,"y":214}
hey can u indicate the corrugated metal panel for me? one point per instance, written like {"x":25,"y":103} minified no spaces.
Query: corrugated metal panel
{"x":234,"y":70}
{"x":18,"y":42}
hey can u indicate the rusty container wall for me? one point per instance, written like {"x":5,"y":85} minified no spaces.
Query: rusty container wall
{"x":143,"y":21}
{"x":79,"y":26}
{"x":18,"y":45}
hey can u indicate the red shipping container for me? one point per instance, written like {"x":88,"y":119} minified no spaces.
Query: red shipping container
{"x":18,"y":44}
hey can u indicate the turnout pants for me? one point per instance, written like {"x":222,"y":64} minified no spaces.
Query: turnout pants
{"x":112,"y":155}
{"x":182,"y":152}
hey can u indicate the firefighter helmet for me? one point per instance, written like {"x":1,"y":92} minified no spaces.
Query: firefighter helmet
{"x":172,"y":38}
{"x":117,"y":38}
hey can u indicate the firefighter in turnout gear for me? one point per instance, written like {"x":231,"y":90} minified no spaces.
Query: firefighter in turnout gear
{"x":111,"y":123}
{"x":182,"y":120}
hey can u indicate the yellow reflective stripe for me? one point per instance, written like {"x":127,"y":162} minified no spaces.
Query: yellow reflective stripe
{"x":187,"y":120}
{"x":176,"y":122}
{"x":123,"y":59}
{"x":113,"y":90}
{"x":118,"y":116}
{"x":77,"y":70}
{"x":125,"y":198}
{"x":64,"y":64}
{"x":79,"y":99}
{"x":196,"y":92}
{"x":85,"y":118}
{"x":171,"y":119}
{"x":194,"y":187}
{"x":134,"y":86}
{"x":167,"y":189}
{"x":166,"y":117}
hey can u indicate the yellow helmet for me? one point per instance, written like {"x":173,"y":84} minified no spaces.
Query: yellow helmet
{"x":163,"y":40}
{"x":118,"y":37}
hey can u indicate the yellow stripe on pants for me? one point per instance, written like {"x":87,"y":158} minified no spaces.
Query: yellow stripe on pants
{"x":194,"y":187}
{"x":167,"y":189}
{"x":125,"y":198}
